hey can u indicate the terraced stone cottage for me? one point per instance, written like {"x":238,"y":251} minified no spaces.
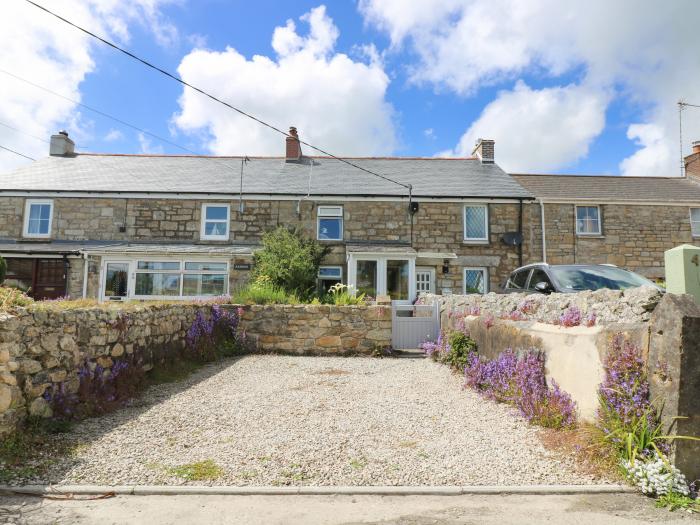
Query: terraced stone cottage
{"x":118,"y":227}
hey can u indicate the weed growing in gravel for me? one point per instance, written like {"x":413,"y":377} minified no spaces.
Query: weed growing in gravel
{"x":205,"y":470}
{"x":674,"y":501}
{"x":358,"y":463}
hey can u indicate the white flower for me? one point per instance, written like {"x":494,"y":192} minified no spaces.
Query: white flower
{"x":655,"y":476}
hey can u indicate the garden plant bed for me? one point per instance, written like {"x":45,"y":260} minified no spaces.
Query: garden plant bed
{"x":283,"y":420}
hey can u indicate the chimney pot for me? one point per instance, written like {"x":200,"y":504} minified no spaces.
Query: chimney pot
{"x":61,"y":144}
{"x":484,"y":150}
{"x":293,"y":146}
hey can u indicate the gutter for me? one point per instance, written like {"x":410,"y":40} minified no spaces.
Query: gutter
{"x":544,"y":236}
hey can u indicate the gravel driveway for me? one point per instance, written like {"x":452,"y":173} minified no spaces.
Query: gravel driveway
{"x":283,"y":420}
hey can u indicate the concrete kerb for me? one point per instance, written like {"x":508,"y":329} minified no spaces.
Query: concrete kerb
{"x":189,"y":490}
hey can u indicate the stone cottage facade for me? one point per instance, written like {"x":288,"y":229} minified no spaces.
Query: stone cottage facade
{"x":120,"y":227}
{"x":626,"y":221}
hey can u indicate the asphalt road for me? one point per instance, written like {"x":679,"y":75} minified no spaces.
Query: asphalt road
{"x":608,"y":509}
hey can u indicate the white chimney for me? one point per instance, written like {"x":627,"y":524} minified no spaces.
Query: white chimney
{"x":61,"y":145}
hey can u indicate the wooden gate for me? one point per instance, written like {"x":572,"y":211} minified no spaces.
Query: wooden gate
{"x":412,"y":325}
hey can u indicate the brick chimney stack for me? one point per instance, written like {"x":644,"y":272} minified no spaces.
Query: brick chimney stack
{"x":293,"y":146}
{"x":484,"y":150}
{"x":692,"y":162}
{"x":61,"y":145}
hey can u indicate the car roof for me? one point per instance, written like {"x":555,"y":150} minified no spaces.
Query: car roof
{"x":543,"y":264}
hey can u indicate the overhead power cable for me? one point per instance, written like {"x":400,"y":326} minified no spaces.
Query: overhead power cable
{"x":214,"y":98}
{"x":23,"y":132}
{"x":220,"y":160}
{"x":17,"y":153}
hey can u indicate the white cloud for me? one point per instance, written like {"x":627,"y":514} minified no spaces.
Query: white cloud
{"x":538,"y":129}
{"x":40,"y":48}
{"x":113,"y":135}
{"x":643,"y":50}
{"x":333,"y":100}
{"x":147,"y":146}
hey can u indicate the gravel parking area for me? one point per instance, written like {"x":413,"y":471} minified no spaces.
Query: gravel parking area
{"x":283,"y":420}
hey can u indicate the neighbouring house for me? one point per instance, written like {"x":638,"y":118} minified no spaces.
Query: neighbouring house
{"x":161,"y":226}
{"x":119,"y":227}
{"x":625,"y":221}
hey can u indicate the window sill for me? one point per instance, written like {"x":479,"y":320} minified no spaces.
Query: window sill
{"x":590,"y":236}
{"x":36,"y":237}
{"x":477,"y":242}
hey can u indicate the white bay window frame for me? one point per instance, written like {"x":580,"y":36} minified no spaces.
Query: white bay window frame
{"x":181,"y":271}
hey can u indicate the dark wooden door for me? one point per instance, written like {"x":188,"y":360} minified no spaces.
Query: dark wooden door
{"x":49,"y":279}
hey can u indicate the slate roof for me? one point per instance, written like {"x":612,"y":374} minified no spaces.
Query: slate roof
{"x":611,"y":188}
{"x":430,"y":177}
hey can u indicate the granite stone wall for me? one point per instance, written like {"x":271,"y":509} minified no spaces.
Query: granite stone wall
{"x":318,"y":329}
{"x":633,"y":236}
{"x":41,"y":347}
{"x":633,"y":305}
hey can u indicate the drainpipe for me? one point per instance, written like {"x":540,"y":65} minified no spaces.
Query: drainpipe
{"x":85,"y":274}
{"x":520,"y":231}
{"x":544,"y":237}
{"x":65,"y":275}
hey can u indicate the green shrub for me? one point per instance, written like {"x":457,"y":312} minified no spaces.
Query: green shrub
{"x":290,"y":260}
{"x":3,"y":269}
{"x":461,"y":346}
{"x":262,"y":291}
{"x":341,"y":295}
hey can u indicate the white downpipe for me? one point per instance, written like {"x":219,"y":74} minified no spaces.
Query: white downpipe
{"x":85,"y":274}
{"x":544,"y":237}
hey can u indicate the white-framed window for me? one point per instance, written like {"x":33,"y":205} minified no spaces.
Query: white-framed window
{"x":179,"y":279}
{"x":476,"y":280}
{"x":38,"y":217}
{"x":695,"y":221}
{"x":330,"y":223}
{"x":329,"y":276}
{"x":215,"y":222}
{"x":476,"y":223}
{"x":588,"y":220}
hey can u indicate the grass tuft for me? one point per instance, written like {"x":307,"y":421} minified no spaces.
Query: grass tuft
{"x":205,"y":470}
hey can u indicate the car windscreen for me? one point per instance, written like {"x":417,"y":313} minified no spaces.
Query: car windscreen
{"x":596,"y":277}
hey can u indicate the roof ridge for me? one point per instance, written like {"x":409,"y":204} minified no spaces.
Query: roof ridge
{"x":176,"y":155}
{"x":591,"y":176}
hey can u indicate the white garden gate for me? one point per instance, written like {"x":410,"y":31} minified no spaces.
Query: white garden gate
{"x":412,"y":325}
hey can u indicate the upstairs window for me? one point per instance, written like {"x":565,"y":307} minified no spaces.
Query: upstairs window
{"x":215,"y":222}
{"x":330,"y":223}
{"x":476,"y":220}
{"x":588,"y":220}
{"x":695,"y":221}
{"x":38,"y":216}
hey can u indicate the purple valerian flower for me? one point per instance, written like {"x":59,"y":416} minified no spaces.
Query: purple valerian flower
{"x":570,"y":317}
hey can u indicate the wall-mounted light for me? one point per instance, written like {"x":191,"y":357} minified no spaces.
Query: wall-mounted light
{"x":445,"y":266}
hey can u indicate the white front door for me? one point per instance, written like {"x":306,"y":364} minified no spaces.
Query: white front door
{"x":425,"y":280}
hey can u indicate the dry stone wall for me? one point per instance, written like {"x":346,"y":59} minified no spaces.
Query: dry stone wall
{"x":319,"y":329}
{"x":43,"y":347}
{"x":609,"y":306}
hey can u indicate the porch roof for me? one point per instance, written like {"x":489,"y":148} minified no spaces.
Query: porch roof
{"x":171,"y":249}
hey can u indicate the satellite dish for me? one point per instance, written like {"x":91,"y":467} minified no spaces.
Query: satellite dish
{"x":512,"y":238}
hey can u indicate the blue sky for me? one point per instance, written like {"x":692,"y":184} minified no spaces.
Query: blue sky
{"x":559,"y":89}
